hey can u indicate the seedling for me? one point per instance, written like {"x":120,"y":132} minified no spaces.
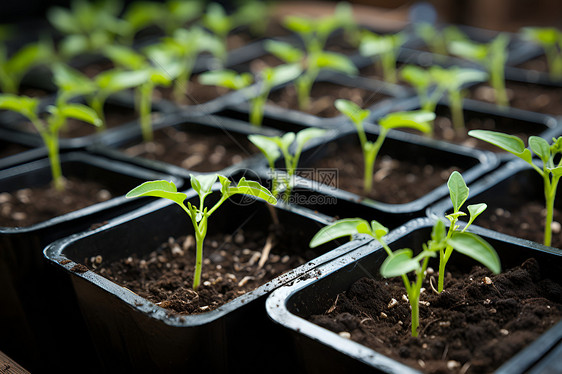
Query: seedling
{"x":275,"y":146}
{"x":161,"y":72}
{"x":88,"y":26}
{"x":220,"y":24}
{"x":265,"y":80}
{"x":383,"y":46}
{"x":255,"y":14}
{"x":199,"y":215}
{"x":73,"y":83}
{"x":50,"y":126}
{"x":422,"y":81}
{"x":451,"y":82}
{"x":312,"y":64}
{"x":185,"y":46}
{"x":418,"y":120}
{"x":438,"y":40}
{"x":492,"y":56}
{"x":551,"y":164}
{"x":170,"y":16}
{"x":15,"y":67}
{"x":402,"y":261}
{"x":550,"y":39}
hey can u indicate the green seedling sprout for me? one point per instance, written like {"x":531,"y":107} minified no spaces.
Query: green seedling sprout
{"x":158,"y":69}
{"x":551,"y":164}
{"x":220,"y":24}
{"x":87,"y":26}
{"x":312,"y":64}
{"x":73,"y":83}
{"x":255,"y":14}
{"x":492,"y":56}
{"x":451,"y":81}
{"x":419,"y":120}
{"x":170,"y":16}
{"x":185,"y":46}
{"x":13,"y":68}
{"x":550,"y":39}
{"x":265,"y":80}
{"x":274,"y":147}
{"x":422,"y":81}
{"x":50,"y":126}
{"x":438,"y":40}
{"x":385,"y":46}
{"x":402,"y":261}
{"x":199,"y":215}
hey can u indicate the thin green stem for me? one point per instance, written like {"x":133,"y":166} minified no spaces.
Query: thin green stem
{"x":388,"y":61}
{"x":97,"y":103}
{"x":145,"y":107}
{"x":498,"y":83}
{"x":550,"y":194}
{"x":257,"y":106}
{"x":370,"y":154}
{"x":457,"y":115}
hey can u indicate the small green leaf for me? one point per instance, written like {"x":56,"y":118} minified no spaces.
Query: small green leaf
{"x":267,"y":146}
{"x":401,"y":262}
{"x":477,"y":248}
{"x":306,"y":135}
{"x":506,"y":142}
{"x":338,"y":229}
{"x":417,"y":119}
{"x":80,"y":112}
{"x":202,"y":184}
{"x":556,"y":172}
{"x":540,"y":147}
{"x":378,"y":229}
{"x":24,"y":105}
{"x":352,"y":110}
{"x":416,"y":76}
{"x":438,"y":231}
{"x":226,"y":78}
{"x":116,"y":80}
{"x":458,"y":190}
{"x":252,"y":188}
{"x":284,"y":51}
{"x":159,"y":188}
{"x":475,"y":210}
{"x":285,"y":73}
{"x":333,"y":61}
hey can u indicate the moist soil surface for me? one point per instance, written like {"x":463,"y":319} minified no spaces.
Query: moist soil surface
{"x":532,"y":97}
{"x":475,"y":325}
{"x":29,"y":206}
{"x":322,"y":98}
{"x":394,"y":181}
{"x":231,"y":268}
{"x":194,"y":151}
{"x":524,"y":221}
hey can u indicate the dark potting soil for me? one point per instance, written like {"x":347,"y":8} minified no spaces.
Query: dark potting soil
{"x":194,"y":151}
{"x":322,"y":98}
{"x":477,"y":323}
{"x":523,"y":221}
{"x":195,"y":93}
{"x":231,"y":268}
{"x":532,"y":97}
{"x":11,"y":149}
{"x":29,"y":206}
{"x":394,"y":181}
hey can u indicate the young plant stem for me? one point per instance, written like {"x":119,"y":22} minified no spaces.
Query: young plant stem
{"x":414,"y":297}
{"x":97,"y":104}
{"x":455,"y":102}
{"x":370,"y":153}
{"x":145,"y":110}
{"x":498,"y":82}
{"x":304,"y":86}
{"x":52,"y":143}
{"x":388,"y":61}
{"x":200,"y":233}
{"x":549,"y":194}
{"x":182,"y":81}
{"x":257,"y":105}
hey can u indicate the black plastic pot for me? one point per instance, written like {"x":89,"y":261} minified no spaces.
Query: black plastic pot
{"x":207,"y":125}
{"x":397,"y":145}
{"x":506,"y":189}
{"x":133,"y":334}
{"x":320,"y":350}
{"x":508,"y":120}
{"x":37,"y":301}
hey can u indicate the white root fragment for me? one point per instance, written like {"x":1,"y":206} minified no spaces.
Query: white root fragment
{"x":245,"y":280}
{"x":393,"y":302}
{"x":265,"y":251}
{"x":345,"y":334}
{"x":333,"y":307}
{"x":452,"y":364}
{"x":254,"y":258}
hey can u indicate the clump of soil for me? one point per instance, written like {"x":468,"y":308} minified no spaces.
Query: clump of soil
{"x":476,"y":324}
{"x":231,"y":268}
{"x":394,"y":181}
{"x":205,"y":151}
{"x":29,"y":206}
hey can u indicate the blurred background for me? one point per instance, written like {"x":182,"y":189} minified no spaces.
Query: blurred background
{"x":506,"y":15}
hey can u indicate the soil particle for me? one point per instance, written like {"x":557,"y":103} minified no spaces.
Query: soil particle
{"x":471,"y":327}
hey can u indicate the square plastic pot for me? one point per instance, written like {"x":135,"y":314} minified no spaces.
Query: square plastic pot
{"x":320,"y":350}
{"x":37,"y":301}
{"x":132,"y":334}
